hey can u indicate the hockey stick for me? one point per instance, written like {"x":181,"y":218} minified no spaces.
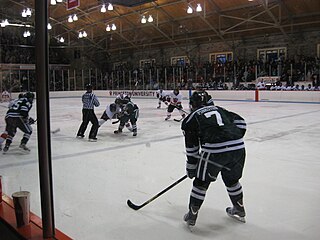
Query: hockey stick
{"x":116,"y":121}
{"x":51,"y":131}
{"x":137,"y":207}
{"x":55,"y":131}
{"x":179,"y":120}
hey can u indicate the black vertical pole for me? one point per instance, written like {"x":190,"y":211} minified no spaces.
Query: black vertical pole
{"x":43,"y":116}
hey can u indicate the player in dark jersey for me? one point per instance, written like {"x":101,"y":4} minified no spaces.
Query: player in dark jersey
{"x":18,"y":117}
{"x":130,"y":113}
{"x":214,"y":144}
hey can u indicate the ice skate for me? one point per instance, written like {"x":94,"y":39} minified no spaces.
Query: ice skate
{"x":118,"y":131}
{"x":93,"y":139}
{"x":191,"y":217}
{"x":80,"y":136}
{"x":158,"y":107}
{"x":24,"y":148}
{"x":0,"y":147}
{"x":237,"y":214}
{"x":5,"y":149}
{"x":134,"y":133}
{"x":167,"y":118}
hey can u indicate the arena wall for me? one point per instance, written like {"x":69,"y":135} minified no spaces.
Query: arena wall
{"x":271,"y":96}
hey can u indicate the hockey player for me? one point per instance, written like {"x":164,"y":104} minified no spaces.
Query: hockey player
{"x":89,"y":101}
{"x":175,"y":99}
{"x":130,"y":113}
{"x":4,"y":135}
{"x":162,"y":97}
{"x":5,"y":96}
{"x":214,"y":144}
{"x":111,"y":112}
{"x":18,"y":117}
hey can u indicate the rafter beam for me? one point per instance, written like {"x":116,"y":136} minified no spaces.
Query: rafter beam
{"x":265,"y":4}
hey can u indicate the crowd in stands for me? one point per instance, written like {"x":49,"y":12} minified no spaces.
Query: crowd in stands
{"x":238,"y":74}
{"x":16,"y":49}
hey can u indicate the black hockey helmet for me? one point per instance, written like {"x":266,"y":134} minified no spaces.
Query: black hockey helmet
{"x":113,"y":107}
{"x":29,"y":96}
{"x":118,"y":101}
{"x":89,"y":87}
{"x":200,"y":99}
{"x":126,"y":99}
{"x":176,"y":91}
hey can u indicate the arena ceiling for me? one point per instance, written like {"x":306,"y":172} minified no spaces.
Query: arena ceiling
{"x":219,"y":20}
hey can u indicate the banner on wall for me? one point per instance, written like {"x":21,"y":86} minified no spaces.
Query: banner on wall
{"x":72,"y":4}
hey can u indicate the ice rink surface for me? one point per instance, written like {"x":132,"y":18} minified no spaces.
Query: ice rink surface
{"x":93,"y":180}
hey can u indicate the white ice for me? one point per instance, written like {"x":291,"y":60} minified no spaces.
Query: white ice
{"x":93,"y":180}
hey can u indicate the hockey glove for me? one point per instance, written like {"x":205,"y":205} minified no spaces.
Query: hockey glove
{"x":191,"y":170}
{"x":31,"y":121}
{"x":179,"y":106}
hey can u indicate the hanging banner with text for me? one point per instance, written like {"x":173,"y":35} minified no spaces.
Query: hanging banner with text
{"x":72,"y":4}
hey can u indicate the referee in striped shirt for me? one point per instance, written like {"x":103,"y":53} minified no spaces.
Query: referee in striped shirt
{"x":89,"y":101}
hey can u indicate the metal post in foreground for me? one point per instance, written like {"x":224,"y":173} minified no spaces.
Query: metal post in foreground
{"x":43,"y":116}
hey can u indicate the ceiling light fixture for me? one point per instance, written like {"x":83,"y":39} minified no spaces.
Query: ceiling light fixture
{"x":70,"y":19}
{"x":150,"y":19}
{"x":103,"y":8}
{"x":189,"y":10}
{"x":49,"y":26}
{"x":24,"y":13}
{"x":75,"y":17}
{"x":28,"y":12}
{"x":59,"y":1}
{"x":143,"y":19}
{"x":53,"y":2}
{"x":82,"y":34}
{"x":110,"y":7}
{"x":4,"y":23}
{"x":61,"y":40}
{"x":113,"y":27}
{"x":199,"y":8}
{"x":108,"y":29}
{"x":26,"y":34}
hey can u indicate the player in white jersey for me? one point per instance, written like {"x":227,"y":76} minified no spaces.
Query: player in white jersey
{"x":5,"y":96}
{"x":175,"y":102}
{"x":110,"y":113}
{"x":162,"y":97}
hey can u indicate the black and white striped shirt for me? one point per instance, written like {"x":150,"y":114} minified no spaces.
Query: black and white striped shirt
{"x":90,"y":100}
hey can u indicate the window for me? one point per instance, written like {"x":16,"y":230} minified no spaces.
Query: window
{"x":221,"y":57}
{"x":146,"y":63}
{"x":180,"y":61}
{"x":269,"y":54}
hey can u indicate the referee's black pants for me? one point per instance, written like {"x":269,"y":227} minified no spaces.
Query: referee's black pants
{"x":88,"y":115}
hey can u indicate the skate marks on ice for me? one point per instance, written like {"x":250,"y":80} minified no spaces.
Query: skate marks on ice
{"x":298,"y":129}
{"x":96,"y":150}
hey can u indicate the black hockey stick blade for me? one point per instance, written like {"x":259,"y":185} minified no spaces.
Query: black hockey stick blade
{"x":178,"y":120}
{"x":55,"y":131}
{"x":137,"y":207}
{"x":133,"y":206}
{"x":116,"y":121}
